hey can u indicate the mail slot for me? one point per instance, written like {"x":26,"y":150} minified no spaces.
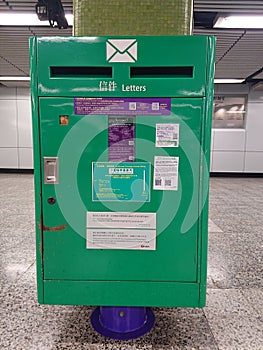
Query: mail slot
{"x":121,"y":145}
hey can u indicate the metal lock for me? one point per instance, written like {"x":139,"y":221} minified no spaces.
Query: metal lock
{"x":51,"y":170}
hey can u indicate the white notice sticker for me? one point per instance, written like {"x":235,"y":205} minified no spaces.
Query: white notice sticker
{"x":167,"y":135}
{"x":121,"y":239}
{"x":121,"y":230}
{"x":166,"y":173}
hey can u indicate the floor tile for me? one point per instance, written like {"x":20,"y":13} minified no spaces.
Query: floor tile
{"x":23,"y":297}
{"x":234,"y":323}
{"x":72,"y":330}
{"x":235,"y":260}
{"x":236,"y":204}
{"x":14,"y":264}
{"x":254,"y":296}
{"x":11,"y":210}
{"x":14,"y":222}
{"x":15,"y":239}
{"x":234,"y":223}
{"x":212,"y":227}
{"x":29,"y":277}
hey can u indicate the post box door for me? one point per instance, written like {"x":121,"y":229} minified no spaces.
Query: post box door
{"x":70,"y":144}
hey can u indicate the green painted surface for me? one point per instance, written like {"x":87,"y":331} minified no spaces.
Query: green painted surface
{"x":178,"y":264}
{"x":132,"y":17}
{"x":67,"y":253}
{"x":37,"y":171}
{"x":178,"y":51}
{"x":125,"y":293}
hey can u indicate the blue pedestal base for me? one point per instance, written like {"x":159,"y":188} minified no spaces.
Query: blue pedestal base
{"x":122,"y":323}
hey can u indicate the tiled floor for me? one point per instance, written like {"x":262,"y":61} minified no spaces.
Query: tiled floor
{"x":231,"y":320}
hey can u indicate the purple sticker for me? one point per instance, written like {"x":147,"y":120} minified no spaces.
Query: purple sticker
{"x":121,"y":134}
{"x":122,"y":106}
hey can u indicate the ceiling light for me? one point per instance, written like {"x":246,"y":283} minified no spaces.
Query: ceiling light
{"x":239,"y":21}
{"x":26,"y":19}
{"x":229,"y":81}
{"x":14,"y":78}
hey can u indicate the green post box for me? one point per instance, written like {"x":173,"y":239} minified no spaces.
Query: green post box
{"x":121,"y":154}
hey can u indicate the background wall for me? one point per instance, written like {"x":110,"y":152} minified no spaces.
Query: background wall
{"x":240,"y":150}
{"x":15,"y":129}
{"x":232,"y":150}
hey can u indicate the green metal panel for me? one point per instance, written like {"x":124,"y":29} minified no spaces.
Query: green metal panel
{"x":37,"y":170}
{"x":152,"y":52}
{"x":65,"y":253}
{"x":204,"y":167}
{"x":115,"y":293}
{"x":104,"y":276}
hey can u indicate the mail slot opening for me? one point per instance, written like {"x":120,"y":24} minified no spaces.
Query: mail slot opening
{"x":162,"y":72}
{"x":81,"y":72}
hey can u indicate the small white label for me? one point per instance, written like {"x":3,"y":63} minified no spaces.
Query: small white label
{"x":121,"y":230}
{"x":167,"y":135}
{"x":155,"y":106}
{"x":166,"y":173}
{"x":132,"y":106}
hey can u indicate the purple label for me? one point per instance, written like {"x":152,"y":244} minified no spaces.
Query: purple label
{"x":121,"y":133}
{"x":122,"y":106}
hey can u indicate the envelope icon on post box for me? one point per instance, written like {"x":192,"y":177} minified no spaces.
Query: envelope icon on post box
{"x":121,"y":50}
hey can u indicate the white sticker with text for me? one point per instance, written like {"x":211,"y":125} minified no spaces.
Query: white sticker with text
{"x":121,"y":230}
{"x":166,"y":173}
{"x":167,"y":135}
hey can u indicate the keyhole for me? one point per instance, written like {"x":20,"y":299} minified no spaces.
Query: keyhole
{"x":51,"y":200}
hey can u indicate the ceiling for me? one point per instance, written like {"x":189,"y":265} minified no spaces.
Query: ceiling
{"x":239,"y":53}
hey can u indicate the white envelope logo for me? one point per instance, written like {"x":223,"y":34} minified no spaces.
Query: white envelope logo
{"x":121,"y":50}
